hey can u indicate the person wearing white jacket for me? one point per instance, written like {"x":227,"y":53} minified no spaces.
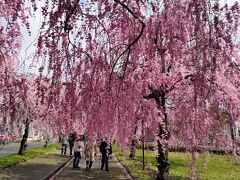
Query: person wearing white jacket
{"x":78,"y":149}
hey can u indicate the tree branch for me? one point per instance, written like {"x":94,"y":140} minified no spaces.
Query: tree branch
{"x":219,"y":87}
{"x":67,"y":27}
{"x":131,"y":44}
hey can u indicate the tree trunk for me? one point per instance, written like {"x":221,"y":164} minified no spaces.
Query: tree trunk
{"x":134,"y":143}
{"x":143,"y":155}
{"x":143,"y":147}
{"x":46,"y":142}
{"x":23,"y":144}
{"x":233,"y":137}
{"x":133,"y":149}
{"x":162,"y":158}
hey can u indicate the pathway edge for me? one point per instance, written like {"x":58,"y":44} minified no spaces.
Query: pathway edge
{"x":125,"y":168}
{"x":57,"y":170}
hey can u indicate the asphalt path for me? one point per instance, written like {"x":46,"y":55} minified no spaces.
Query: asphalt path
{"x":12,"y":148}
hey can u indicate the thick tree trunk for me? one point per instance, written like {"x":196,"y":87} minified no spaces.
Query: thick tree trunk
{"x":162,"y":158}
{"x":23,"y":144}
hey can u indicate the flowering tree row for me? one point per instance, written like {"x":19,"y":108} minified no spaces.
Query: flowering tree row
{"x":108,"y":66}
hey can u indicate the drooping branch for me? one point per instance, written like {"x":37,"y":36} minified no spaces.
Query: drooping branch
{"x":127,"y":8}
{"x":219,"y":87}
{"x":133,"y":42}
{"x":158,"y":93}
{"x":234,"y":65}
{"x":187,"y":77}
{"x":67,"y":27}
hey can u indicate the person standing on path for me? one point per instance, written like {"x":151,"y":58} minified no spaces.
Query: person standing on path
{"x":105,"y":150}
{"x":78,"y":149}
{"x":89,"y":152}
{"x":64,"y":144}
{"x":71,"y":140}
{"x":46,"y":139}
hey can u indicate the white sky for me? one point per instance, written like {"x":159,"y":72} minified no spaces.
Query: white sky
{"x":28,"y":47}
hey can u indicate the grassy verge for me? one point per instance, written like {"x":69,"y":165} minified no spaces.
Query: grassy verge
{"x":135,"y":165}
{"x":14,"y":159}
{"x":218,"y":166}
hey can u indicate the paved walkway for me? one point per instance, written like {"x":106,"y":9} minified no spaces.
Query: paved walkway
{"x":43,"y":167}
{"x":116,"y":171}
{"x":12,"y":148}
{"x":38,"y":168}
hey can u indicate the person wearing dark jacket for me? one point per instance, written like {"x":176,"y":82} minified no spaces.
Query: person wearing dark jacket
{"x":71,"y":140}
{"x":106,"y":150}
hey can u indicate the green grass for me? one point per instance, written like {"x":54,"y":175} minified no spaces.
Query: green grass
{"x":14,"y":159}
{"x":135,"y":165}
{"x":219,"y":167}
